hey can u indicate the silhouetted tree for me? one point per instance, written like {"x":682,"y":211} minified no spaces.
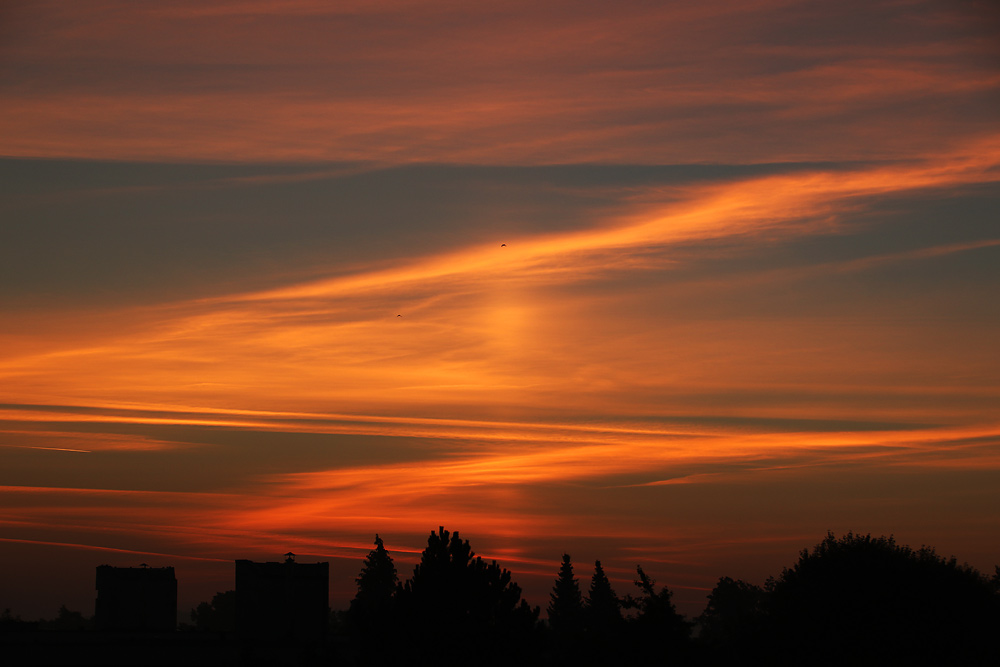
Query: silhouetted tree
{"x":603,"y":609}
{"x":458,"y":606}
{"x":67,"y":621}
{"x":376,"y":587}
{"x":659,"y":630}
{"x":217,"y":616}
{"x":11,"y":622}
{"x":566,"y":618}
{"x":603,"y":621}
{"x":732,"y":621}
{"x":865,"y":600}
{"x":566,"y":601}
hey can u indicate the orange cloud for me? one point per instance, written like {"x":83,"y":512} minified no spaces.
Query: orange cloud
{"x":601,"y":381}
{"x":91,"y":547}
{"x":418,"y":82}
{"x":482,"y":327}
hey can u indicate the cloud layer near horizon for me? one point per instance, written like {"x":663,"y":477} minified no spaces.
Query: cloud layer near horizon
{"x":534,"y":391}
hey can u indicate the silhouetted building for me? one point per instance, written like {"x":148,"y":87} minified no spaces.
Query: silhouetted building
{"x":136,"y":598}
{"x":279,"y":602}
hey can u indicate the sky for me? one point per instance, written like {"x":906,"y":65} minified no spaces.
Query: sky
{"x":682,"y":285}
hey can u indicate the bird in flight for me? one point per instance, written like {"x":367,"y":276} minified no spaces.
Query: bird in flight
{"x":503,"y":245}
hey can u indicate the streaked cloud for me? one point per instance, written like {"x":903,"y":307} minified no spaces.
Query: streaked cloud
{"x":483,"y":325}
{"x":656,"y":283}
{"x":441,"y":82}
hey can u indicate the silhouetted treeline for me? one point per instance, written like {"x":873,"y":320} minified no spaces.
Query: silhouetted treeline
{"x":857,"y":600}
{"x":853,"y":600}
{"x":456,"y":607}
{"x":64,"y":621}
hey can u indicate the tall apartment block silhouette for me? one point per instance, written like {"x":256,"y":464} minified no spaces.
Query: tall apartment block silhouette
{"x":282,"y":602}
{"x":136,"y":598}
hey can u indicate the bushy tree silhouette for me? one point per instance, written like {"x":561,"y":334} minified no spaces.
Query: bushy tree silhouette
{"x":10,"y":622}
{"x":217,"y":616}
{"x":67,"y":621}
{"x":457,"y":600}
{"x":732,"y":622}
{"x":865,"y":600}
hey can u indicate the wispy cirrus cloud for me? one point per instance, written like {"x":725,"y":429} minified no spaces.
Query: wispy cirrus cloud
{"x":746,"y":291}
{"x":421,"y":82}
{"x":482,"y":325}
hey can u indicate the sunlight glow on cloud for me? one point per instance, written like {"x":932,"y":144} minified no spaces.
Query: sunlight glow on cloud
{"x":477,"y":327}
{"x":663,"y":279}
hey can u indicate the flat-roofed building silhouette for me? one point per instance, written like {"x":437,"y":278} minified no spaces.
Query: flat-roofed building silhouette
{"x":282,"y":602}
{"x":136,"y":598}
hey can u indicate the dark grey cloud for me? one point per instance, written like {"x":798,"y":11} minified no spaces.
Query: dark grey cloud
{"x":209,"y":459}
{"x":96,"y":232}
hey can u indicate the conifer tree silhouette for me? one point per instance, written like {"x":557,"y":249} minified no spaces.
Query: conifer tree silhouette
{"x":371,"y":607}
{"x":603,"y":622}
{"x":568,"y":641}
{"x":603,"y":606}
{"x":566,"y":601}
{"x":656,"y":608}
{"x":658,"y":631}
